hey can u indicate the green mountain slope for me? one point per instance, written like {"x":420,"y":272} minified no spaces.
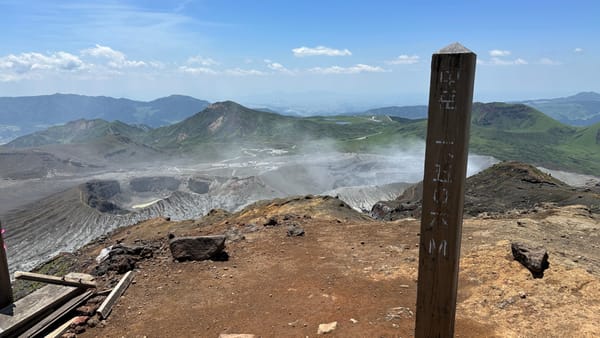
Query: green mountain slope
{"x":80,"y":131}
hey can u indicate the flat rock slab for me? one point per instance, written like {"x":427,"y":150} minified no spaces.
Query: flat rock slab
{"x":196,"y":248}
{"x":534,"y":258}
{"x":327,"y":328}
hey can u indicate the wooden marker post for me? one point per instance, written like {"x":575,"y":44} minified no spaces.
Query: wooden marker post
{"x":449,"y":118}
{"x":6,"y":296}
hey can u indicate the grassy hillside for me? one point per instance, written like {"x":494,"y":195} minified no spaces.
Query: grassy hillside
{"x":519,"y":132}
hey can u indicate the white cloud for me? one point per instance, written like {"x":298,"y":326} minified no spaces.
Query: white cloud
{"x":404,"y":60}
{"x":498,"y":52}
{"x":359,"y":68}
{"x":495,"y":61}
{"x":550,"y":62}
{"x":277,"y":67}
{"x":26,"y":65}
{"x":116,"y":58}
{"x":320,"y":50}
{"x":207,"y":62}
{"x":578,"y":50}
{"x":243,"y":72}
{"x":197,"y":70}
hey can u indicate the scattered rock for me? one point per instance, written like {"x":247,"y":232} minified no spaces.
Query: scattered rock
{"x":236,"y":335}
{"x":121,"y":258}
{"x":506,"y":302}
{"x":93,"y":322}
{"x":327,"y":328}
{"x":398,"y":313}
{"x":87,"y":310}
{"x":354,"y":321}
{"x":80,"y":320}
{"x":533,"y":258}
{"x":251,"y":227}
{"x":196,"y":248}
{"x":295,"y":230}
{"x":272,"y":222}
{"x":234,"y":235}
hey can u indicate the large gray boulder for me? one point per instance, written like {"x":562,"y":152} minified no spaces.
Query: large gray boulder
{"x":196,"y":248}
{"x":534,"y":258}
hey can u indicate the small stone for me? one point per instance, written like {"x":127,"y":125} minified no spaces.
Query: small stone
{"x":87,"y":310}
{"x":271,"y":222}
{"x":522,"y":295}
{"x":93,"y":322}
{"x":353,"y":321}
{"x":236,"y":335}
{"x":327,"y":328}
{"x":295,"y":231}
{"x":79,"y":329}
{"x":80,"y":320}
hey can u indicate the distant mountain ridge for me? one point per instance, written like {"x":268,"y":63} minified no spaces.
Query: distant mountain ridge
{"x":582,"y":109}
{"x":504,"y":131}
{"x":26,"y":114}
{"x":407,"y":112}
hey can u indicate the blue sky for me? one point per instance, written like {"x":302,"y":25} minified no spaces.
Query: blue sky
{"x":317,"y":54}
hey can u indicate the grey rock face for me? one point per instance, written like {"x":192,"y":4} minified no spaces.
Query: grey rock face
{"x":533,"y":258}
{"x":196,"y":248}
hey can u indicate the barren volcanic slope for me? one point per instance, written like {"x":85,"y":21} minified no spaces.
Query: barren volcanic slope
{"x":354,"y":270}
{"x":504,"y":186}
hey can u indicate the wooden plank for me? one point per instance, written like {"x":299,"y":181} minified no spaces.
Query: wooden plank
{"x":55,"y":316}
{"x":6,"y":295}
{"x":15,"y":317}
{"x":449,"y":118}
{"x":67,"y":281}
{"x":60,"y":330}
{"x":118,"y":290}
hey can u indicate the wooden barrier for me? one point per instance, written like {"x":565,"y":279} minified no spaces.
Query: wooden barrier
{"x":449,"y":118}
{"x":6,"y":295}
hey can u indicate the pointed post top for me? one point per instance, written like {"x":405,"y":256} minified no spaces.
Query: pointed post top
{"x":455,"y":48}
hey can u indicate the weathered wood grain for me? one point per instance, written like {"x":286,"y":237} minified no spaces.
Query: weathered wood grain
{"x":449,"y":117}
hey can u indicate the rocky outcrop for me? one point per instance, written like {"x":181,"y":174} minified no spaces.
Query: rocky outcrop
{"x":503,"y":187}
{"x":196,"y":248}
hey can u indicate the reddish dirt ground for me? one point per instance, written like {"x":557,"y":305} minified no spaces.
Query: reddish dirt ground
{"x":356,"y":271}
